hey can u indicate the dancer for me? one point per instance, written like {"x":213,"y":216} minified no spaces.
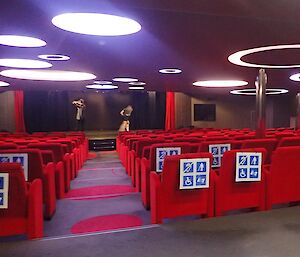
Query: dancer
{"x":126,"y":113}
{"x":79,"y":104}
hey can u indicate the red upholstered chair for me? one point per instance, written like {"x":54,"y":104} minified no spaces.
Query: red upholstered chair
{"x":269,"y":144}
{"x":5,"y":146}
{"x":231,"y":195}
{"x":36,"y":170}
{"x":283,"y":178}
{"x":168,"y":201}
{"x":25,"y":211}
{"x":148,"y":165}
{"x":287,"y":141}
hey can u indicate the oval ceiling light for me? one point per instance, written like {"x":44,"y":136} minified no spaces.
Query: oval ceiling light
{"x":170,"y":71}
{"x":236,"y":57}
{"x":21,"y":41}
{"x":96,"y":24}
{"x":24,"y":63}
{"x":220,"y":83}
{"x":102,"y":86}
{"x":54,"y":57}
{"x":295,"y":77}
{"x":126,"y":80}
{"x":4,"y":84}
{"x":252,"y":91}
{"x":103,"y":82}
{"x":136,"y":88}
{"x":137,"y":83}
{"x":50,"y":75}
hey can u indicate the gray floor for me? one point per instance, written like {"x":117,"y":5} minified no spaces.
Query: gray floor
{"x":259,"y":234}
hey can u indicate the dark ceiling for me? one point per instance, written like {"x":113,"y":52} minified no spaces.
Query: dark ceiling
{"x":194,"y":35}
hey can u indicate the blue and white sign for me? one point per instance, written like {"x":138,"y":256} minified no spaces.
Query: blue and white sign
{"x":217,"y":151}
{"x":161,"y":153}
{"x":4,"y":190}
{"x":194,"y":173}
{"x":21,"y":158}
{"x":248,"y":166}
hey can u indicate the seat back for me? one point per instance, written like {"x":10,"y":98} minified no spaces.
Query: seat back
{"x":289,"y":141}
{"x":57,"y":149}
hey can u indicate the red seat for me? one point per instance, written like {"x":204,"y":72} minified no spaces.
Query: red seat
{"x":168,"y":201}
{"x":289,"y":141}
{"x":5,"y":146}
{"x":24,"y":214}
{"x":283,"y":178}
{"x":36,"y":170}
{"x":231,"y":195}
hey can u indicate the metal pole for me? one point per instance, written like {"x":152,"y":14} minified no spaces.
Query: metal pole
{"x":298,"y":111}
{"x":260,"y":84}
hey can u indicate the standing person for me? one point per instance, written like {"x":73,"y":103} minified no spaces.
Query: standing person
{"x":79,"y":104}
{"x":126,"y":113}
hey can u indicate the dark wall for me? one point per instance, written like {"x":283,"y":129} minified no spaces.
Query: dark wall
{"x":53,"y":111}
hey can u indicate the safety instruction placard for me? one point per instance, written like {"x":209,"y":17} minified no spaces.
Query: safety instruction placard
{"x":19,"y":158}
{"x":161,"y":153}
{"x":248,"y":166}
{"x":194,"y":173}
{"x":4,"y":178}
{"x":218,"y":150}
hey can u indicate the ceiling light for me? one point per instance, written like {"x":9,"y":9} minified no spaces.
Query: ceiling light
{"x":252,"y":91}
{"x":54,"y":57}
{"x":126,"y":80}
{"x":24,"y":63}
{"x":102,"y":86}
{"x":220,"y":83}
{"x":170,"y":71}
{"x":295,"y":77}
{"x":21,"y":41}
{"x":4,"y":84}
{"x":136,"y":88}
{"x":236,"y":57}
{"x":103,"y":82}
{"x":52,"y":75}
{"x":96,"y":24}
{"x":138,"y":83}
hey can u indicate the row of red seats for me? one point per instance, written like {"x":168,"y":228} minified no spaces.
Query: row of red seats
{"x":51,"y":162}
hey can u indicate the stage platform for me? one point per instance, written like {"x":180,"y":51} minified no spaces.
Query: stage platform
{"x":102,"y":140}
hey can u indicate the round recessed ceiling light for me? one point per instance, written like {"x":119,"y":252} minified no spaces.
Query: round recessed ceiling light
{"x":96,"y":24}
{"x":136,"y":88}
{"x":51,"y":75}
{"x":4,"y":84}
{"x":21,"y":41}
{"x":236,"y":57}
{"x":138,"y":83}
{"x":295,"y":77}
{"x":126,"y":80}
{"x":252,"y":91}
{"x":170,"y":71}
{"x":102,"y":86}
{"x":220,"y":83}
{"x":103,"y":82}
{"x":54,"y":57}
{"x":24,"y":63}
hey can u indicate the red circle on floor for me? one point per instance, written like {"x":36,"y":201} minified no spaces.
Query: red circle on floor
{"x":109,"y":222}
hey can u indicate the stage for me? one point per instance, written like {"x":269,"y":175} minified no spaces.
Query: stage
{"x":102,"y":140}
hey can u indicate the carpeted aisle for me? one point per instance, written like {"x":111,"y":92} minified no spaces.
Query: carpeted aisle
{"x":101,"y":199}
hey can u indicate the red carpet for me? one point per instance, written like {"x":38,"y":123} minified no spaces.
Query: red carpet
{"x":102,"y":223}
{"x":92,"y":156}
{"x":101,"y":191}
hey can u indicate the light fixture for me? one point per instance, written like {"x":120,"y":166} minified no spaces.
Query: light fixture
{"x":220,"y":83}
{"x":21,"y":41}
{"x":54,"y":57}
{"x":137,"y":83}
{"x":295,"y":77}
{"x":252,"y":91}
{"x":96,"y":24}
{"x":103,"y":82}
{"x":136,"y":88}
{"x":24,"y":63}
{"x":51,"y":75}
{"x":102,"y":86}
{"x":170,"y":71}
{"x":4,"y":84}
{"x":126,"y":80}
{"x":236,"y":57}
